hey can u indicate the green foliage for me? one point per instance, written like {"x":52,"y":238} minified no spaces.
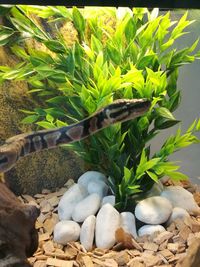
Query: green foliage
{"x":132,"y":57}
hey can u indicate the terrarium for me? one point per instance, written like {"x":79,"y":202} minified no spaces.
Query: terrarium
{"x":96,"y":105}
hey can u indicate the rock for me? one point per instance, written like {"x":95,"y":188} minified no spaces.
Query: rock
{"x":88,"y":206}
{"x":150,"y":229}
{"x":87,"y":232}
{"x":180,"y":197}
{"x":69,"y":200}
{"x":107,"y":222}
{"x":153,"y":210}
{"x":66,"y":231}
{"x":128,"y":223}
{"x":177,"y":213}
{"x":108,"y":199}
{"x":89,"y":176}
{"x":98,"y":187}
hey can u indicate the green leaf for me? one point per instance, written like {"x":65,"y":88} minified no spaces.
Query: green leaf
{"x":45,"y":124}
{"x":60,"y":123}
{"x":143,"y":123}
{"x":49,"y":118}
{"x":182,"y":24}
{"x":55,"y":46}
{"x":57,"y":100}
{"x":79,"y":21}
{"x":27,"y":111}
{"x":130,"y":30}
{"x":177,"y":176}
{"x":165,"y":113}
{"x":162,"y":123}
{"x":192,"y":126}
{"x":153,"y":176}
{"x":174,"y":101}
{"x":198,"y":125}
{"x":167,"y":44}
{"x":133,"y":189}
{"x":145,"y":61}
{"x":5,"y":9}
{"x":96,"y":45}
{"x":142,"y":168}
{"x":113,"y":54}
{"x":5,"y":35}
{"x":30,"y":119}
{"x":19,"y":51}
{"x":26,"y":25}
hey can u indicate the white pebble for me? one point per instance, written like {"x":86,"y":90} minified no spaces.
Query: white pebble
{"x":178,"y":213}
{"x":108,"y":199}
{"x":98,"y":187}
{"x":107,"y":222}
{"x":87,"y":232}
{"x":153,"y":210}
{"x":66,"y":231}
{"x":180,"y":197}
{"x":88,"y":176}
{"x":68,"y":201}
{"x":128,"y":223}
{"x":150,"y":229}
{"x":88,"y":206}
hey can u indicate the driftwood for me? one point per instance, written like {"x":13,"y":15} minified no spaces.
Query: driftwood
{"x":18,"y":236}
{"x":193,"y":255}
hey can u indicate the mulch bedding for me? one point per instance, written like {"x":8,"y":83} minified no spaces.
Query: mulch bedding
{"x":162,"y":249}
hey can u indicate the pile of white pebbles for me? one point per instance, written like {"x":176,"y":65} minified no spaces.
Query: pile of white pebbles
{"x":87,"y":212}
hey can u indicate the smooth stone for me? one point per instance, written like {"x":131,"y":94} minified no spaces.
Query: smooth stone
{"x":153,"y":210}
{"x":150,"y":229}
{"x":128,"y":223}
{"x":88,"y":176}
{"x":180,"y":197}
{"x":69,"y":200}
{"x":87,"y":232}
{"x":107,"y":222}
{"x":98,"y":187}
{"x":66,"y":231}
{"x":88,"y":206}
{"x":108,"y":199}
{"x":178,"y":213}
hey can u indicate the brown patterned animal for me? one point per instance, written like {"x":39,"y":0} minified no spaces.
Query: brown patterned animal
{"x":21,"y":145}
{"x":18,"y":236}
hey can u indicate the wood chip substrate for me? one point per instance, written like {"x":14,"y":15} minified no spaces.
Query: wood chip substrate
{"x":170,"y":248}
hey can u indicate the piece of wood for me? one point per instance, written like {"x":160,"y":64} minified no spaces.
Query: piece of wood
{"x":184,"y":233}
{"x":163,"y":245}
{"x":173,"y":247}
{"x":44,"y":237}
{"x":166,"y":253}
{"x":110,"y":263}
{"x":48,"y":247}
{"x":151,"y":260}
{"x":135,"y":262}
{"x":59,"y":263}
{"x":150,"y":246}
{"x":165,"y":235}
{"x":87,"y":261}
{"x":39,"y":264}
